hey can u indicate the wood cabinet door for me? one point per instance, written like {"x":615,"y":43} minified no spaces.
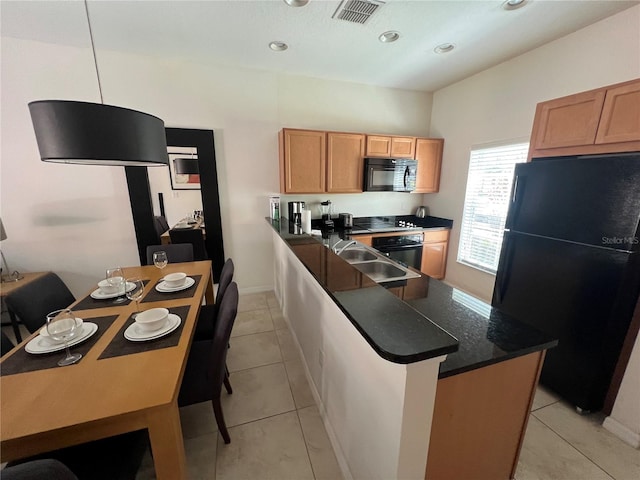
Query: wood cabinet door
{"x":366,"y":239}
{"x":303,"y":161}
{"x":378,"y":146}
{"x":620,"y":120}
{"x":403,"y":147}
{"x":429,"y":157}
{"x":567,"y":121}
{"x":434,"y":259}
{"x":345,"y":164}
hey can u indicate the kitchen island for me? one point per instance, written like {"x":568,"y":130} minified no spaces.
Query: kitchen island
{"x":373,"y":357}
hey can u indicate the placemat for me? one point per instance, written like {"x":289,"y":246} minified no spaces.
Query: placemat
{"x":22,"y":361}
{"x":155,"y":296}
{"x":121,"y":346}
{"x":89,"y":302}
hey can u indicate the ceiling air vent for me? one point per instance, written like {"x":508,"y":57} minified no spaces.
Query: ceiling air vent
{"x":357,"y":11}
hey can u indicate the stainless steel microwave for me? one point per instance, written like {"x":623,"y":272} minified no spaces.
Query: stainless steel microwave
{"x":390,"y":174}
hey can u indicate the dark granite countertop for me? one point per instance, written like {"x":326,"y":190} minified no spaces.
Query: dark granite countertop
{"x":415,"y":319}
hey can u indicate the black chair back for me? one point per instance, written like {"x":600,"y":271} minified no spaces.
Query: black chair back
{"x":176,"y":252}
{"x":226,"y":276}
{"x":7,"y":345}
{"x":37,"y":470}
{"x":222,"y":333}
{"x":161,"y":225}
{"x":34,"y":300}
{"x":192,"y":236}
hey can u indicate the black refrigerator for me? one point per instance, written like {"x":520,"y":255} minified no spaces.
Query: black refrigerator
{"x":570,"y":265}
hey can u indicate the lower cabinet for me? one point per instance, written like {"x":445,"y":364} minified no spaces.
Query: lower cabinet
{"x":480,"y":418}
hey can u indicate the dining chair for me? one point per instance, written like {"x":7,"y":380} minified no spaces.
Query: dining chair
{"x":47,"y":468}
{"x":206,"y":371}
{"x":110,"y":458}
{"x":7,"y":345}
{"x":34,"y":300}
{"x":209,"y":313}
{"x":161,"y":225}
{"x":176,"y":252}
{"x":194,"y":237}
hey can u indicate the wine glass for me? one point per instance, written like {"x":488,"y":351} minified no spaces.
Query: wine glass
{"x":136,"y":293}
{"x":62,"y":326}
{"x":115,"y":277}
{"x":160,"y":259}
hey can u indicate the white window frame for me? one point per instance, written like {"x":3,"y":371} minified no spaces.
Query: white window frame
{"x":486,"y":202}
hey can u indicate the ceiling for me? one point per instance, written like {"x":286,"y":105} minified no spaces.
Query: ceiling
{"x":237,"y":33}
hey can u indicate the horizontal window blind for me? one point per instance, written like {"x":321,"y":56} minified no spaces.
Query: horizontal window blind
{"x":486,"y":204}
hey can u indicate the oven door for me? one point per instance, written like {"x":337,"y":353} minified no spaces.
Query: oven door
{"x":409,"y":255}
{"x":389,"y":175}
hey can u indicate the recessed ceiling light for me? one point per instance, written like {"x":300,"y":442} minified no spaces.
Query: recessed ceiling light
{"x":388,"y":37}
{"x":513,"y":4}
{"x":296,"y":3}
{"x":444,"y":48}
{"x":278,"y":46}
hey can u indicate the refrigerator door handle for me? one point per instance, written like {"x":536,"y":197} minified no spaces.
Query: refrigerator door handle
{"x":505,"y":271}
{"x":516,"y":199}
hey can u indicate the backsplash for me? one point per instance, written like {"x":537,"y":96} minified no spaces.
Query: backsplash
{"x":359,"y":204}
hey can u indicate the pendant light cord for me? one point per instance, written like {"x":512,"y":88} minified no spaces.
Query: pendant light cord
{"x":93,"y":49}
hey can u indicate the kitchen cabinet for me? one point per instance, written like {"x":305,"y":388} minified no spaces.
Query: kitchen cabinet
{"x":604,"y":120}
{"x":480,"y":419}
{"x":345,"y":164}
{"x":314,"y":161}
{"x":390,"y":146}
{"x":429,"y":156}
{"x":303,"y":161}
{"x":434,"y":253}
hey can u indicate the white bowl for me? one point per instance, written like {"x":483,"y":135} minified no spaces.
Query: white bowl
{"x":152,"y":319}
{"x":45,"y":334}
{"x":106,"y":288}
{"x":174,"y":280}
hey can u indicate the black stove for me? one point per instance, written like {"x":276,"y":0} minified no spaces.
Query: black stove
{"x":381,"y":224}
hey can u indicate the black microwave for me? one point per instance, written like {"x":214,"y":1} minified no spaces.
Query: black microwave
{"x":390,"y":174}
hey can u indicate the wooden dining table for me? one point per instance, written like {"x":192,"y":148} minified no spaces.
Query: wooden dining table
{"x":108,"y":392}
{"x":165,"y":238}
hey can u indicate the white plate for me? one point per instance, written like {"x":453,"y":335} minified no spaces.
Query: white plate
{"x":98,"y":295}
{"x":40,"y":344}
{"x":136,"y":334}
{"x":183,"y":226}
{"x":188,"y":283}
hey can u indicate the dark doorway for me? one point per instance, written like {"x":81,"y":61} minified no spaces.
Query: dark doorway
{"x":142,"y":207}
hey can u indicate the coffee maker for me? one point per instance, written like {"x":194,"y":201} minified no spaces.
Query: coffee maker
{"x":295,"y":212}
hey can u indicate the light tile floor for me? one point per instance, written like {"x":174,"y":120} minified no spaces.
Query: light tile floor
{"x":275,"y":427}
{"x":277,"y":433}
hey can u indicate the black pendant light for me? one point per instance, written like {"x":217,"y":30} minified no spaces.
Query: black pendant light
{"x":97,"y":134}
{"x":186,"y":166}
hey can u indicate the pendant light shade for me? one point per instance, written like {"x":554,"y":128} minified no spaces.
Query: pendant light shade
{"x":96,"y":134}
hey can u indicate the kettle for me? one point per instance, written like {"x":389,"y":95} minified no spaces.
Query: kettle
{"x":421,"y":212}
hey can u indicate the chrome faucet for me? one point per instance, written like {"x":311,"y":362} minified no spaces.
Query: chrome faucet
{"x":338,"y":251}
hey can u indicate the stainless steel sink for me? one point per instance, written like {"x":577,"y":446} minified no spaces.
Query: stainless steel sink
{"x":374,"y":264}
{"x":357,"y":255}
{"x":380,"y":271}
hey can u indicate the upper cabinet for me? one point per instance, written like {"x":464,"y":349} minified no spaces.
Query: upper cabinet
{"x":313,"y":161}
{"x":345,"y":163}
{"x":429,"y":157}
{"x":604,"y":120}
{"x":389,"y":146}
{"x":303,"y":160}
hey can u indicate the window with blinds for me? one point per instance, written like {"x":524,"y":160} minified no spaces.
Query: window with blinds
{"x":486,"y":204}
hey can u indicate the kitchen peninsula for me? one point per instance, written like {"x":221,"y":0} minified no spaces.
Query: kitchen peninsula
{"x":428,"y":371}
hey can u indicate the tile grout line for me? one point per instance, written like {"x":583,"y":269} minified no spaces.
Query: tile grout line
{"x":306,"y":445}
{"x":574,"y":447}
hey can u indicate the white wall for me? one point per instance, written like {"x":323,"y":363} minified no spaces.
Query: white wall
{"x":76,"y":220}
{"x":499,"y":103}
